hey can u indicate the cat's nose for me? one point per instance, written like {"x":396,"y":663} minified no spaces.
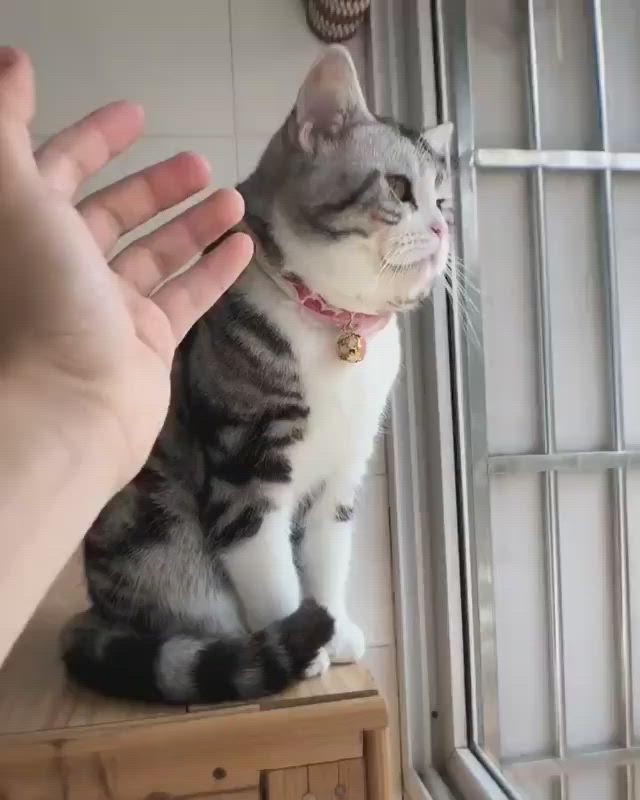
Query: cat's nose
{"x":438,"y":229}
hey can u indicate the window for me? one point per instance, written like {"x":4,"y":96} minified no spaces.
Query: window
{"x":515,"y":455}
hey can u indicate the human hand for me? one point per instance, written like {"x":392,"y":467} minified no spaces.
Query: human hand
{"x":86,"y":347}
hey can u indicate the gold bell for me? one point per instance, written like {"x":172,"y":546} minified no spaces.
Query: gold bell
{"x":351,"y":346}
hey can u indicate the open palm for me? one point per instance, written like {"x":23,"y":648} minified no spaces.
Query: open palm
{"x":94,"y":339}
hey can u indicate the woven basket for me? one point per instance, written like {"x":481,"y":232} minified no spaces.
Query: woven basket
{"x":336,"y":20}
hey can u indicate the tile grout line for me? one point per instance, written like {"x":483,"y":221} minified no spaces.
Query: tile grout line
{"x":221,"y":136}
{"x":233,"y":92}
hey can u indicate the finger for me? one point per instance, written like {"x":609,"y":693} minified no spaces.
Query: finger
{"x":70,"y":157}
{"x":17,"y":102}
{"x":186,"y":298}
{"x":17,"y":96}
{"x":121,"y":207}
{"x":152,"y":259}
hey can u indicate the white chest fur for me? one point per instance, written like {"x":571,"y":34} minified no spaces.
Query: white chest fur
{"x":346,"y":400}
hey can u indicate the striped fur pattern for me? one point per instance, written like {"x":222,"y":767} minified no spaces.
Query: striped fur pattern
{"x":221,"y":571}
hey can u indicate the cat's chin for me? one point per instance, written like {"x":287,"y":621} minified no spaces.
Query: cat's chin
{"x":410,"y":289}
{"x":413,"y":282}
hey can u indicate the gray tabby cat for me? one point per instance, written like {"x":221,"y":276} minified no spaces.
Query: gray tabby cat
{"x":197,"y":570}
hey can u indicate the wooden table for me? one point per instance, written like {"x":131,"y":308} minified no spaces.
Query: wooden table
{"x":326,"y":739}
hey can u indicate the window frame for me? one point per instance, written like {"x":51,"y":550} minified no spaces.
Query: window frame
{"x":438,"y":460}
{"x":407,"y":80}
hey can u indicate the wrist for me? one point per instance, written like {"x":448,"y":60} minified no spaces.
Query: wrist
{"x":54,"y":484}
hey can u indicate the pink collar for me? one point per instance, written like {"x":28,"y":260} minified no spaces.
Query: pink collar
{"x":356,"y":321}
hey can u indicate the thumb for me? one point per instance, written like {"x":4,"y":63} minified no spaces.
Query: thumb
{"x":17,"y":104}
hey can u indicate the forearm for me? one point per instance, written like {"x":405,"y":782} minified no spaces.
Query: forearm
{"x":50,"y":493}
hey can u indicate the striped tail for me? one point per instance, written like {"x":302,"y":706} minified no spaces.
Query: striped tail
{"x":182,"y":669}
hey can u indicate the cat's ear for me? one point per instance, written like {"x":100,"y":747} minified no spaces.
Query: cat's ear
{"x":438,"y":139}
{"x":330,"y":99}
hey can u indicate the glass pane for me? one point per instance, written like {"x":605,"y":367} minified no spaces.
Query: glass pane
{"x":622,"y":59}
{"x":517,"y":570}
{"x":566,"y":67}
{"x":577,"y":311}
{"x":498,"y":58}
{"x":521,"y":615}
{"x":509,"y":316}
{"x":586,"y":545}
{"x":595,"y":784}
{"x":626,"y":193}
{"x":535,"y":788}
{"x":633,"y":500}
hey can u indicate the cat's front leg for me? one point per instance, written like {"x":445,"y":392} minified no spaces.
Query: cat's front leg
{"x":325,"y":559}
{"x":262,"y":570}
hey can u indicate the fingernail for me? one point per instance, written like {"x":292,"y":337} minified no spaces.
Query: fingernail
{"x":201,"y":161}
{"x":139,"y":108}
{"x":197,"y":156}
{"x":8,"y":56}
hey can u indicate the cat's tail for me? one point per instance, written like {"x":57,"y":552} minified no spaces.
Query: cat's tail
{"x":183,"y":669}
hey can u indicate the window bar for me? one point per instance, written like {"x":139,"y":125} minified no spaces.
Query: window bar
{"x":617,"y":417}
{"x":551,"y":524}
{"x":565,"y":461}
{"x":532,"y":768}
{"x":563,"y":160}
{"x":472,"y":418}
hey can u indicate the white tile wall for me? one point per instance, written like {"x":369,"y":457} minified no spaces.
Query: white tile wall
{"x":272,"y":49}
{"x":371,"y":595}
{"x":217,"y":77}
{"x":175,"y":59}
{"x":250,"y":148}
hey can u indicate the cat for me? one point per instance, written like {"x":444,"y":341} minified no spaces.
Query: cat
{"x":220,"y":572}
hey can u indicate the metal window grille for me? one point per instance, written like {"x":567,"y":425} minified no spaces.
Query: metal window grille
{"x":479,"y":465}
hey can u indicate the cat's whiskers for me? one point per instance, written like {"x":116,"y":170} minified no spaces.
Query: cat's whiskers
{"x":459,"y":306}
{"x":460,"y":290}
{"x":389,"y":262}
{"x":456,"y":266}
{"x":400,"y":245}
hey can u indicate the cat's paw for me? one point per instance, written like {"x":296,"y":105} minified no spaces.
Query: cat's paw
{"x":348,"y":644}
{"x":319,"y":665}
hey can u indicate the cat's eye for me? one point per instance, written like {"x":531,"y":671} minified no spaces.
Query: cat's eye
{"x":440,"y":203}
{"x":401,"y":187}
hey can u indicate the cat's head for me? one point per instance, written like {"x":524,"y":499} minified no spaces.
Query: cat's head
{"x":358,"y":207}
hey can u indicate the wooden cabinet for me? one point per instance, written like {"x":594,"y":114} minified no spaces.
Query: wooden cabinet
{"x":336,"y":780}
{"x":325,"y":739}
